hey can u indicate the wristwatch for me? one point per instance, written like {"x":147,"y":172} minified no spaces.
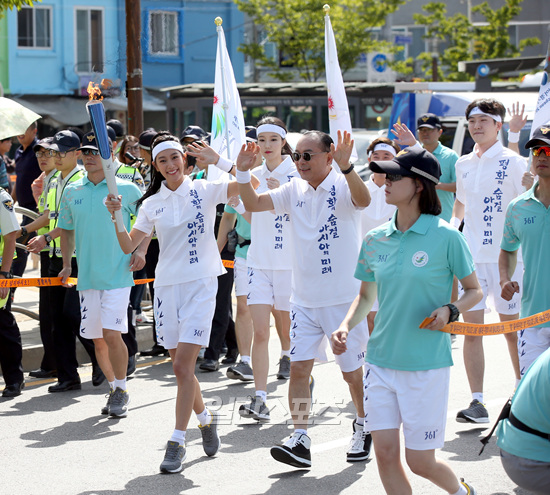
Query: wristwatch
{"x":6,"y":274}
{"x":455,"y":313}
{"x":23,"y":231}
{"x":48,"y":238}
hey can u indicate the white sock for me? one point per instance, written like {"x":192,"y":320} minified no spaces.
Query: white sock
{"x":359,"y":421}
{"x":246,"y":359}
{"x":112,"y":385}
{"x":478,"y":396}
{"x":261,"y":394}
{"x":120,"y":383}
{"x":205,"y":417}
{"x":285,"y":353}
{"x":299,"y":431}
{"x":461,"y":491}
{"x":178,"y":436}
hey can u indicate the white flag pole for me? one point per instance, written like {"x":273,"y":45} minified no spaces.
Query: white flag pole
{"x":338,"y":108}
{"x":221,"y":43}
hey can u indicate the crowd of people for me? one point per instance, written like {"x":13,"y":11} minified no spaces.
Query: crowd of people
{"x":328,"y":255}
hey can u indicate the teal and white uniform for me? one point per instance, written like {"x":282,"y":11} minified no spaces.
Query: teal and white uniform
{"x":447,"y":159}
{"x":527,"y":224}
{"x":413,"y":271}
{"x":101,"y":263}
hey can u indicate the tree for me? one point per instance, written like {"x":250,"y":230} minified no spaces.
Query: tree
{"x":465,"y":41}
{"x":10,"y":4}
{"x":297,"y":29}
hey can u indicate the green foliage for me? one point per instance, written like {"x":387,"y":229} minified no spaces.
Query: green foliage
{"x":464,"y":41}
{"x":298,"y":30}
{"x":10,"y":4}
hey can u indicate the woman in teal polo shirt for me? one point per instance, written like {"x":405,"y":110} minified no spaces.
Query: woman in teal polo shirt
{"x":409,"y":263}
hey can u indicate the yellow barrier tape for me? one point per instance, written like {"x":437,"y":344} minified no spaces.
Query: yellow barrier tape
{"x":228,"y":263}
{"x":50,"y":282}
{"x":475,"y":329}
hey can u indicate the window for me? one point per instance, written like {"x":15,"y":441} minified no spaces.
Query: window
{"x":163,"y":33}
{"x":34,"y":27}
{"x":89,"y":40}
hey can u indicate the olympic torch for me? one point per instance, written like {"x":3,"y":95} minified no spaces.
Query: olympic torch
{"x":96,"y":112}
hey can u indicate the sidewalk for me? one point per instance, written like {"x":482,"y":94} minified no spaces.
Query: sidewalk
{"x":27,"y":298}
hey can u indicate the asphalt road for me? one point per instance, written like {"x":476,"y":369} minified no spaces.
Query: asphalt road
{"x":60,"y":444}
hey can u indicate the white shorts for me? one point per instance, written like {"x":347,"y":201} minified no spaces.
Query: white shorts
{"x":184,"y":312}
{"x":416,"y":399}
{"x":270,"y":287}
{"x":532,"y":342}
{"x":101,"y":309}
{"x":489,"y":279}
{"x":310,"y":331}
{"x":240,"y":277}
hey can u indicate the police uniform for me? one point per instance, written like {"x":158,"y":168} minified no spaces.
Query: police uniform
{"x":45,"y":318}
{"x":11,"y":351}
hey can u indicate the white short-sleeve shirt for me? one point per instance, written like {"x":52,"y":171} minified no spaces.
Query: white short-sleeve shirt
{"x":326,"y":234}
{"x":378,"y":211}
{"x":184,"y":223}
{"x":486,"y":185}
{"x":270,"y":235}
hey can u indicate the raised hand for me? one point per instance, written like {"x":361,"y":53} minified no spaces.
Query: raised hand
{"x":342,"y":152}
{"x":247,"y":156}
{"x":518,"y":118}
{"x":403,"y":135}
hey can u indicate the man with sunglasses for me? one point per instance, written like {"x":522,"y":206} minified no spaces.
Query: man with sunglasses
{"x":528,"y":225}
{"x":64,"y":304}
{"x":486,"y":181}
{"x":104,"y":275}
{"x":324,"y":206}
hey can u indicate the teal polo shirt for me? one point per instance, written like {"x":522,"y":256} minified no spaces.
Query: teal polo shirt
{"x":101,"y":263}
{"x":414,"y":272}
{"x":447,"y":159}
{"x":530,"y":405}
{"x":243,"y":229}
{"x":527,"y":223}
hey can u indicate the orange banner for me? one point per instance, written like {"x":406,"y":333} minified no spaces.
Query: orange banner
{"x":50,"y":282}
{"x":228,"y":263}
{"x":493,"y":328}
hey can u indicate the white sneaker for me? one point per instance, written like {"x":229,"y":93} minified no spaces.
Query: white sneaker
{"x":142,"y":318}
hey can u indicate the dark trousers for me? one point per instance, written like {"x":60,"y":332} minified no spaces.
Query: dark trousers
{"x":45,"y":317}
{"x":130,"y":338}
{"x":11,"y":350}
{"x":65,"y":313}
{"x":136,"y":293}
{"x":151,"y":260}
{"x":223,"y":327}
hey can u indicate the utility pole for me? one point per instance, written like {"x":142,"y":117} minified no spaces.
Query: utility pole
{"x":134,"y":80}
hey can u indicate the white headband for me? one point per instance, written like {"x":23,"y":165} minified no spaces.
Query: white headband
{"x":271,"y":128}
{"x":478,"y":111}
{"x":167,"y":145}
{"x":384,"y":147}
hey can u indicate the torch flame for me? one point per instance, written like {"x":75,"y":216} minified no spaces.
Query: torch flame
{"x":94,"y":93}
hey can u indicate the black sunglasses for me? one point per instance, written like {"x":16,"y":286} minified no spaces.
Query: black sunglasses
{"x":87,"y":152}
{"x":307,"y":156}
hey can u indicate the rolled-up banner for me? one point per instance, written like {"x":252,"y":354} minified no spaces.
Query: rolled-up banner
{"x":50,"y":282}
{"x":473,"y":329}
{"x":97,"y":119}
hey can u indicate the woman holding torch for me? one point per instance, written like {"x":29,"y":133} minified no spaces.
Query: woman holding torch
{"x":186,"y":277}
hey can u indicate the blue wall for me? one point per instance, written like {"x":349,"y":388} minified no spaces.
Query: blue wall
{"x":52,"y":71}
